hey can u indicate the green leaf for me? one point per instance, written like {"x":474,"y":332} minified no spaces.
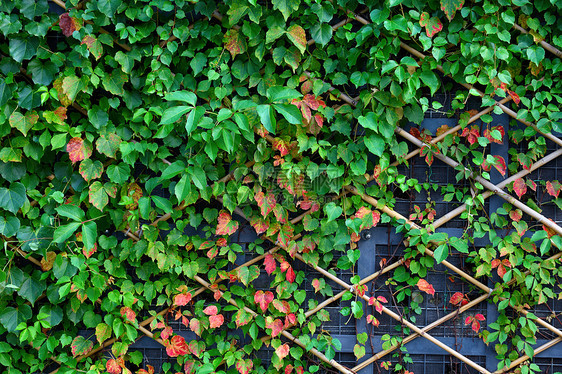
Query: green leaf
{"x":118,"y":173}
{"x":33,"y":8}
{"x":193,"y":119}
{"x":13,"y":198}
{"x":291,"y":113}
{"x":375,"y":144}
{"x":23,"y":123}
{"x":173,"y":114}
{"x":199,"y":176}
{"x":108,"y":145}
{"x":23,"y":49}
{"x":103,"y":332}
{"x":430,"y":79}
{"x":441,"y":253}
{"x":50,"y":314}
{"x":321,"y":33}
{"x":175,"y":168}
{"x":185,"y":96}
{"x":71,"y":86}
{"x":12,"y":317}
{"x":42,"y":72}
{"x":31,"y":289}
{"x":90,"y":169}
{"x":273,"y":34}
{"x":535,"y":54}
{"x":89,"y":234}
{"x":63,"y":232}
{"x":459,"y":244}
{"x":286,"y":7}
{"x":183,"y":188}
{"x":115,"y":81}
{"x":9,"y":225}
{"x":450,"y":7}
{"x":332,"y":211}
{"x":108,"y":7}
{"x":279,"y":93}
{"x":369,"y":121}
{"x":71,"y":211}
{"x":267,"y":116}
{"x":5,"y":93}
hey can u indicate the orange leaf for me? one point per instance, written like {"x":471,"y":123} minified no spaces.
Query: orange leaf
{"x":216,"y":321}
{"x":456,"y":298}
{"x":182,"y":299}
{"x":113,"y":367}
{"x":423,"y":285}
{"x":211,"y":310}
{"x":78,"y":150}
{"x":129,"y":314}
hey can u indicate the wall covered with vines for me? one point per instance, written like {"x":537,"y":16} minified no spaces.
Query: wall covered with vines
{"x":141,"y":141}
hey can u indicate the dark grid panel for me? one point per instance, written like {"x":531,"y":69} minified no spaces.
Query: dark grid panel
{"x":551,"y":312}
{"x":440,"y":174}
{"x":444,"y":364}
{"x":549,"y":365}
{"x":445,"y":283}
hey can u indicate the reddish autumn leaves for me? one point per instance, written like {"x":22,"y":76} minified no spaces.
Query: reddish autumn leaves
{"x":475,"y":321}
{"x":263,"y":299}
{"x":226,"y":225}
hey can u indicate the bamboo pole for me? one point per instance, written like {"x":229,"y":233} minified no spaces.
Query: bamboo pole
{"x":544,"y":44}
{"x":452,"y":214}
{"x":285,"y":333}
{"x":493,"y":188}
{"x":524,"y":358}
{"x":413,"y":336}
{"x":400,"y":319}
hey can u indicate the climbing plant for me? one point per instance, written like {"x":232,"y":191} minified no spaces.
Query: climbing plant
{"x":140,"y":139}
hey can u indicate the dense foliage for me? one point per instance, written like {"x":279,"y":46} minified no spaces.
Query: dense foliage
{"x":137,"y":137}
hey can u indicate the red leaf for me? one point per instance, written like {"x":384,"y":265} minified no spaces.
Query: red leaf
{"x":289,"y":369}
{"x":372,"y":320}
{"x":281,"y":146}
{"x":456,"y":298}
{"x":553,"y":188}
{"x":468,"y":320}
{"x":313,"y":102}
{"x":525,"y":161}
{"x":234,"y":42}
{"x":280,"y":213}
{"x":270,"y":264}
{"x":316,"y":285}
{"x":226,"y":225}
{"x":519,"y":187}
{"x":213,"y":252}
{"x":244,"y":366}
{"x":282,"y":351}
{"x":176,"y":346}
{"x":500,"y":165}
{"x":290,"y":319}
{"x":516,"y":215}
{"x":222,"y":242}
{"x":263,"y":299}
{"x":282,"y":306}
{"x":290,"y":275}
{"x":479,"y":317}
{"x":475,"y":326}
{"x":67,"y":24}
{"x":150,"y":370}
{"x":259,"y":224}
{"x":112,"y":366}
{"x":129,"y":314}
{"x":182,"y":299}
{"x":432,"y":25}
{"x":276,"y":327}
{"x":78,"y":150}
{"x":216,"y":321}
{"x":211,"y":310}
{"x":423,"y":285}
{"x":514,"y":96}
{"x":167,"y":332}
{"x":266,"y":203}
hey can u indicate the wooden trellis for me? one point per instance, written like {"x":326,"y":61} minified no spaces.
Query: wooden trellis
{"x":493,"y":189}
